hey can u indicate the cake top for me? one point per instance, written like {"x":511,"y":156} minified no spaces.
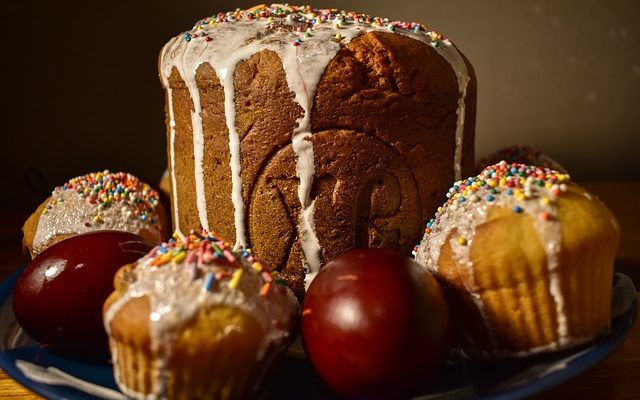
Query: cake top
{"x":203,"y":251}
{"x":304,"y":20}
{"x":524,"y":188}
{"x":98,"y":200}
{"x":192,"y":272}
{"x":106,"y":189}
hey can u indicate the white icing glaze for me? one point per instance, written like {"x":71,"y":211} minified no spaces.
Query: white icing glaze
{"x":453,"y":57}
{"x":54,"y":376}
{"x":176,"y":293}
{"x":172,"y":146}
{"x":466,"y":216}
{"x":69,"y":213}
{"x":228,"y":43}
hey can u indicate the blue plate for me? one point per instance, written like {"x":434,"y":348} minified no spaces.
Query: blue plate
{"x":462,"y":378}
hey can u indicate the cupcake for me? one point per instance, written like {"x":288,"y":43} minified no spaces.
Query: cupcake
{"x":526,"y":260}
{"x":96,"y":201}
{"x":196,"y":319}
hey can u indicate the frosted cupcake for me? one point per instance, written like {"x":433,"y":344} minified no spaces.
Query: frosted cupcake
{"x":195,"y":319}
{"x":526,"y":258}
{"x":96,"y":201}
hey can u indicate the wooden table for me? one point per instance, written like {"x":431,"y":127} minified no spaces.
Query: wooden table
{"x":617,"y":377}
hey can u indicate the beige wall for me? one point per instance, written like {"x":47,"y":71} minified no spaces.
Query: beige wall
{"x":81,"y":92}
{"x":562,"y":76}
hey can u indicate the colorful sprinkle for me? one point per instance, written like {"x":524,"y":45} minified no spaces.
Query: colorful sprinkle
{"x":209,"y":281}
{"x":235,"y":280}
{"x":265,"y":289}
{"x":462,"y":241}
{"x":306,"y":19}
{"x":106,"y":189}
{"x":210,"y":260}
{"x":257,"y":266}
{"x":523,"y":182}
{"x":520,"y":155}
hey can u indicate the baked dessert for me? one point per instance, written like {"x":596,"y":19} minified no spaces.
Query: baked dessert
{"x":96,"y":201}
{"x":520,"y":154}
{"x":303,"y":132}
{"x":526,"y":259}
{"x":195,"y":319}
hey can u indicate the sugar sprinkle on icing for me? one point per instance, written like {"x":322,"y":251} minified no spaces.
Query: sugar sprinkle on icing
{"x":98,"y":200}
{"x":533,"y":190}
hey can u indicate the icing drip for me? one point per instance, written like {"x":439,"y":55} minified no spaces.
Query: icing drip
{"x":226,"y":77}
{"x":306,"y":40}
{"x":531,"y":190}
{"x":172,"y":146}
{"x":453,"y":57}
{"x":187,"y":67}
{"x":198,"y":152}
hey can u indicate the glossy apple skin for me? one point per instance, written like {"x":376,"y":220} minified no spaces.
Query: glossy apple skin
{"x":58,"y":298}
{"x":375,"y":325}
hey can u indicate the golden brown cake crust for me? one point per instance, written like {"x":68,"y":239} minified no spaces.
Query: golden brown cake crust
{"x":392,"y":95}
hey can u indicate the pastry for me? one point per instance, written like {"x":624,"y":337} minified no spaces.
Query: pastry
{"x":526,"y":259}
{"x":303,"y":133}
{"x":520,"y":155}
{"x":195,"y":319}
{"x":96,"y":201}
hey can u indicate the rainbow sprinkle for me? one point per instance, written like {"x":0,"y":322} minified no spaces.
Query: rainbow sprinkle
{"x":306,"y":20}
{"x":523,"y":182}
{"x":197,"y":250}
{"x":521,"y":154}
{"x":105,"y":189}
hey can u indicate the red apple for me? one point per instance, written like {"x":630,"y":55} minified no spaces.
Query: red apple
{"x":375,"y":325}
{"x":58,"y":298}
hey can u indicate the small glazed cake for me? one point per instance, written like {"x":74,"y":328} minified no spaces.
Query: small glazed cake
{"x":520,"y":155}
{"x":195,"y":319}
{"x":526,"y":258}
{"x":96,"y":201}
{"x":303,"y":133}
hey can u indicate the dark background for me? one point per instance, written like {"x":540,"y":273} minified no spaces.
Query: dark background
{"x":81,"y":92}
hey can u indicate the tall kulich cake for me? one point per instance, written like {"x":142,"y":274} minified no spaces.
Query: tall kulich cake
{"x":304,"y":133}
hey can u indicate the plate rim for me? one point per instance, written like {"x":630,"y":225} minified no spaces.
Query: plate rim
{"x":574,"y":367}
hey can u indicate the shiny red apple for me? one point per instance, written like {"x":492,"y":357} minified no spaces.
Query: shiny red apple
{"x":58,"y":298}
{"x":375,"y":325}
